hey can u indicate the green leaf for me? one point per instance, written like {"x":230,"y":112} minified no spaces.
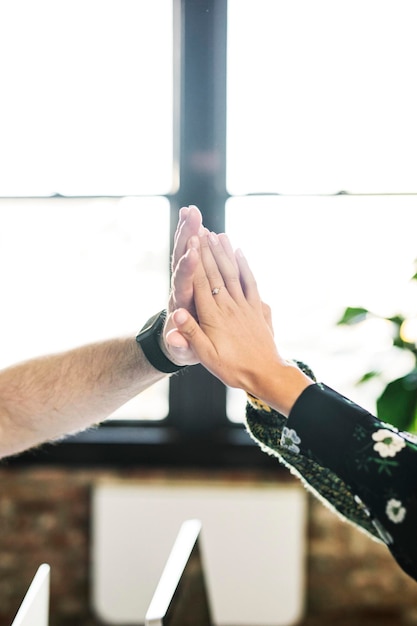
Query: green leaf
{"x":398,"y":342}
{"x":353,"y":315}
{"x":396,"y":319}
{"x":368,"y":376}
{"x":397,"y":403}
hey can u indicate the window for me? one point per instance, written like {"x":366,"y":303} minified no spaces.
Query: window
{"x":87,"y":98}
{"x":82,"y":270}
{"x":86,"y":127}
{"x":321,"y":165}
{"x":290,"y":124}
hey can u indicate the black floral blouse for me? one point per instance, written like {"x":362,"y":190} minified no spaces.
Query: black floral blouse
{"x":364,"y":469}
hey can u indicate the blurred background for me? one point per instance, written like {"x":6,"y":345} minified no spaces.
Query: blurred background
{"x":292,"y":126}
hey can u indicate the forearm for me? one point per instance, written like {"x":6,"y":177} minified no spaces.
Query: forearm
{"x":279,"y":386}
{"x":377,"y":461}
{"x":48,"y":397}
{"x":364,"y":468}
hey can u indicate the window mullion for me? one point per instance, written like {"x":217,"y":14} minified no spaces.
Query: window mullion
{"x":197,"y":399}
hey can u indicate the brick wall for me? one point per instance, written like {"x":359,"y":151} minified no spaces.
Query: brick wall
{"x":44,"y":516}
{"x":352,"y":579}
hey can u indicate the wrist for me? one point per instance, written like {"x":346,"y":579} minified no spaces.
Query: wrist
{"x":282,"y":386}
{"x":150,"y":338}
{"x":169,"y":354}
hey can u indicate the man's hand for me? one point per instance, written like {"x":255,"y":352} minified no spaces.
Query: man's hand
{"x":184,"y":262}
{"x":182,"y":266}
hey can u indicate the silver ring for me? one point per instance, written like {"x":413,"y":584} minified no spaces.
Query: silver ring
{"x":215,"y":291}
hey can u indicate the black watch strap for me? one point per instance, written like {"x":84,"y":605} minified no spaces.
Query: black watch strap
{"x":149,"y":340}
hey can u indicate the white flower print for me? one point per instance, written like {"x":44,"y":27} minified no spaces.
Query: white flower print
{"x":387,"y":442}
{"x":290,"y":439}
{"x":395,"y":511}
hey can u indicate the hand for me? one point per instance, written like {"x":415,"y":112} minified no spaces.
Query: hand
{"x":184,"y":262}
{"x":186,"y":238}
{"x":182,"y":265}
{"x":233,"y":337}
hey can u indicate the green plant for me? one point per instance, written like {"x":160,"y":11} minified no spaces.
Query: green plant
{"x":397,"y":403}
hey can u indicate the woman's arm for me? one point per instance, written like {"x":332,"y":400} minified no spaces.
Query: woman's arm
{"x":364,"y":469}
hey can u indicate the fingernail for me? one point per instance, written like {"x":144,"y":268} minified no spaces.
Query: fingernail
{"x":213,"y":239}
{"x":240,"y":254}
{"x":194,"y":242}
{"x":180,"y":316}
{"x":183,"y":212}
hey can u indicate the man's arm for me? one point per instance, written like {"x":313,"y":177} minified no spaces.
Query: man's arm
{"x":48,"y":397}
{"x":51,"y":396}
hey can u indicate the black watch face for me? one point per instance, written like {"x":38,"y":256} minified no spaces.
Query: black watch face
{"x":144,"y":334}
{"x":151,"y":325}
{"x":148,"y":338}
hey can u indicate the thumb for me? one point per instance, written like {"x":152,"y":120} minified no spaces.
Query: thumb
{"x":185,"y":323}
{"x":191,"y":331}
{"x":177,"y":345}
{"x":201,"y":344}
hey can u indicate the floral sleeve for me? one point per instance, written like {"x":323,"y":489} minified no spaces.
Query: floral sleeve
{"x":366,"y":470}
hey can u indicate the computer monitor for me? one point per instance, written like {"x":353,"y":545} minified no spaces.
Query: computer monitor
{"x":181,"y":597}
{"x":34,"y":610}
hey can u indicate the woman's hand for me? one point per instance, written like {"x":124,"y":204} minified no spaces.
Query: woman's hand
{"x":232,"y":337}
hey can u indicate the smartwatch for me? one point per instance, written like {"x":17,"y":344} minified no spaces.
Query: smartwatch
{"x":149,"y":340}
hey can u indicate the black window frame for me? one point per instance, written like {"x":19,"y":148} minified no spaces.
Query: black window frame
{"x":197,"y":431}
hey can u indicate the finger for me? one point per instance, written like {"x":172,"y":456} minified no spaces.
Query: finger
{"x":189,"y":225}
{"x":248,"y":280}
{"x":192,"y":333}
{"x":209,"y":273}
{"x":267,"y":313}
{"x":179,"y":349}
{"x":225,"y":241}
{"x":222,"y":252}
{"x":182,"y":288}
{"x":182,"y":214}
{"x":206,"y":288}
{"x":175,"y":341}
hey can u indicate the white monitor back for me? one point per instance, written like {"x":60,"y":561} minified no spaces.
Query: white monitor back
{"x":181,"y":597}
{"x":34,"y":610}
{"x":252,"y":531}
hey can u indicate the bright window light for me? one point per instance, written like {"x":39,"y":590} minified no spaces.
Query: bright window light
{"x":86,"y":97}
{"x":313,"y":257}
{"x":321,"y":96}
{"x":82,"y":270}
{"x":321,"y":100}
